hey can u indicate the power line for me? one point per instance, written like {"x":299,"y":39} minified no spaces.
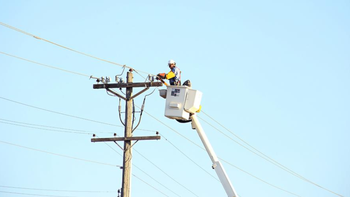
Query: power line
{"x":53,"y":67}
{"x":46,"y":129}
{"x":101,"y":122}
{"x":55,"y":190}
{"x":49,"y":128}
{"x":250,"y":174}
{"x":68,"y":115}
{"x":55,"y":112}
{"x":189,"y":158}
{"x":117,"y":125}
{"x":166,"y":173}
{"x":70,"y":158}
{"x":155,"y":180}
{"x":14,"y":123}
{"x":143,"y":172}
{"x":194,"y":143}
{"x":61,"y":155}
{"x":115,"y":64}
{"x":149,"y":185}
{"x":82,"y":160}
{"x":27,"y":194}
{"x":159,"y":167}
{"x":262,"y":155}
{"x":70,"y":190}
{"x":220,"y":158}
{"x":39,"y":38}
{"x":182,"y":151}
{"x":85,"y":54}
{"x":63,"y":190}
{"x":178,"y":148}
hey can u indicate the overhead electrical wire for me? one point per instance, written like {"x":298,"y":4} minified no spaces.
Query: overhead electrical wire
{"x":62,"y":47}
{"x":85,"y":54}
{"x":46,"y":129}
{"x":262,"y":155}
{"x":134,"y":165}
{"x":111,"y":124}
{"x":189,"y":158}
{"x":76,"y":116}
{"x":64,"y":114}
{"x":61,"y":155}
{"x":53,"y":67}
{"x":16,"y":123}
{"x":55,"y":190}
{"x":54,"y":112}
{"x":37,"y":37}
{"x":58,"y":68}
{"x":149,"y":185}
{"x":155,"y":180}
{"x":70,"y":158}
{"x":194,"y":143}
{"x":252,"y":175}
{"x":203,"y":149}
{"x":166,"y":173}
{"x":225,"y":161}
{"x":27,"y":194}
{"x":50,"y":110}
{"x":51,"y":128}
{"x":141,"y":170}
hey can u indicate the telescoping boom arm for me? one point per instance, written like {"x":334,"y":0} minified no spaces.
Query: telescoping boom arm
{"x":182,"y":103}
{"x":217,"y":166}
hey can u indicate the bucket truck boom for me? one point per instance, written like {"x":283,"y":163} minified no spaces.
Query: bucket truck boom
{"x":182,"y":103}
{"x":217,"y":166}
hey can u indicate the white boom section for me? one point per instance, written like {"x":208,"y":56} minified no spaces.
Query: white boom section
{"x":219,"y":169}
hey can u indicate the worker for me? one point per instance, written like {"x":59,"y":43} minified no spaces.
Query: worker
{"x":174,"y":76}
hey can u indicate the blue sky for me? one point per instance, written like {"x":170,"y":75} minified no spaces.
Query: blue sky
{"x":273,"y":73}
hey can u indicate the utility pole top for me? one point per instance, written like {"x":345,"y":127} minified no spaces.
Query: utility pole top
{"x":128,"y":124}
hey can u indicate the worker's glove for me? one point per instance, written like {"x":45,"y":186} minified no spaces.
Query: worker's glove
{"x":161,"y":75}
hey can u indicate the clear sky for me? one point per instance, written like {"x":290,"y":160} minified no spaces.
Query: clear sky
{"x":273,"y":73}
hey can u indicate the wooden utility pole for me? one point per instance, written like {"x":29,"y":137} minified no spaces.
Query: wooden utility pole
{"x":128,"y":136}
{"x":127,"y":143}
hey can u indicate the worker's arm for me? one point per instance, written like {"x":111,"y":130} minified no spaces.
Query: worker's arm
{"x":170,"y":75}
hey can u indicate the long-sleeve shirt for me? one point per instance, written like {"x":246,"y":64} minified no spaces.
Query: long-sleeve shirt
{"x":174,"y":76}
